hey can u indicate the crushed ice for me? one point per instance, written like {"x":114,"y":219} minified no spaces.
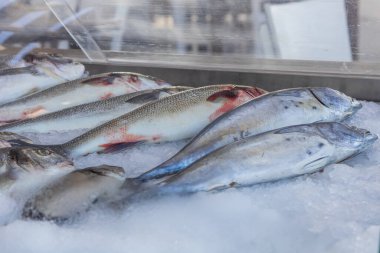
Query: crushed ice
{"x":337,"y":210}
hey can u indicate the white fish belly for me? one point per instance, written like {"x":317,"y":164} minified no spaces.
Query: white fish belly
{"x":178,"y":126}
{"x":16,"y":86}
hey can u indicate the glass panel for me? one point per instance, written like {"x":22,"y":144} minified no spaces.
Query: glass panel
{"x":327,"y":36}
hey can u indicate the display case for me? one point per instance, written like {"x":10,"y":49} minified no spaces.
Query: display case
{"x":271,"y":43}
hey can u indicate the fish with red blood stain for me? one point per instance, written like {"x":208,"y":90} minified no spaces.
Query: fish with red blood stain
{"x":77,"y":92}
{"x":176,"y":117}
{"x":90,"y":115}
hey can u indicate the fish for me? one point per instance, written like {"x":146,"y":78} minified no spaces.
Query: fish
{"x":20,"y":82}
{"x":176,"y":117}
{"x":74,"y":193}
{"x":271,"y":111}
{"x":283,"y":153}
{"x":16,"y":163}
{"x":32,"y":58}
{"x":8,"y":139}
{"x":77,"y":92}
{"x":90,"y":115}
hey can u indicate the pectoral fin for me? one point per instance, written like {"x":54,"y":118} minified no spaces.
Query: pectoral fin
{"x":316,"y":164}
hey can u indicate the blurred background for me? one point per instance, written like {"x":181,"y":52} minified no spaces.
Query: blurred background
{"x":328,"y":37}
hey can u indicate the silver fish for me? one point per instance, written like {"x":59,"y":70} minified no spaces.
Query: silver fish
{"x":18,"y":162}
{"x":77,"y":92}
{"x":275,"y":155}
{"x":176,"y":117}
{"x":92,"y":114}
{"x":271,"y":111}
{"x":19,"y":82}
{"x":74,"y":193}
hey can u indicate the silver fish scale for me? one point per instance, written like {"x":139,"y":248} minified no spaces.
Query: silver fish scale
{"x":98,"y":106}
{"x":172,"y":104}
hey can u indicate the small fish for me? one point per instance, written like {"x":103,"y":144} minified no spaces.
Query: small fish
{"x":92,"y":114}
{"x":179,"y":116}
{"x":74,"y":193}
{"x":20,"y":82}
{"x":275,"y":155}
{"x":38,"y":58}
{"x":8,"y":139}
{"x":18,"y":162}
{"x":77,"y":92}
{"x":271,"y":111}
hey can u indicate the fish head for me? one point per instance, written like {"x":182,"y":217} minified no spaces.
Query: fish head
{"x":58,"y":65}
{"x":348,"y":140}
{"x":342,"y":105}
{"x":33,"y":159}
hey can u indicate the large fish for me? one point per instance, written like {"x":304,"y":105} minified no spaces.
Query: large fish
{"x":172,"y":118}
{"x":20,"y":162}
{"x":19,"y":82}
{"x":283,"y":153}
{"x":73,"y":193}
{"x":176,"y":117}
{"x":81,"y":91}
{"x":271,"y":111}
{"x":90,"y":115}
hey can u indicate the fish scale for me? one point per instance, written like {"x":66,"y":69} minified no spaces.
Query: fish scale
{"x":171,"y":108}
{"x":91,"y":114}
{"x":77,"y":92}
